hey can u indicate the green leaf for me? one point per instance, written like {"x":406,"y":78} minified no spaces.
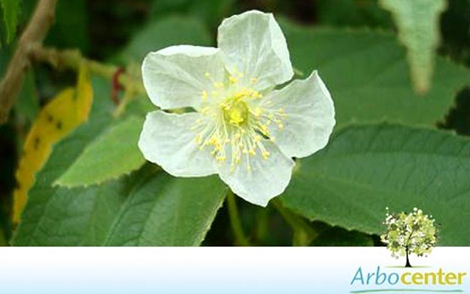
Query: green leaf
{"x":365,"y":169}
{"x":418,"y":30}
{"x":163,"y":33}
{"x":147,"y":207}
{"x":113,"y":154}
{"x":168,"y":211}
{"x":10,"y":17}
{"x":367,"y":75}
{"x":139,"y":106}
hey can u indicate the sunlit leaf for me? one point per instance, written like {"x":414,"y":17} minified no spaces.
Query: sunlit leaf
{"x":111,"y":155}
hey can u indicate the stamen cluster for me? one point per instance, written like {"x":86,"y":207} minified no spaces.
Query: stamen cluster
{"x":236,"y":121}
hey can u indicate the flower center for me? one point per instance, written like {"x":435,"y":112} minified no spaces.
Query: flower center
{"x":236,"y":126}
{"x":236,"y":111}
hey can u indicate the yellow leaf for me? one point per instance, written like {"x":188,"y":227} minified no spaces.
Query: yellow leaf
{"x":65,"y":112}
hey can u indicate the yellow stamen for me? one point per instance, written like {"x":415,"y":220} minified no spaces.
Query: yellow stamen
{"x":237,"y":122}
{"x":232,"y":80}
{"x":204,"y":95}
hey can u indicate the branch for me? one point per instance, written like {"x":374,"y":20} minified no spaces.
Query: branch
{"x":34,"y":33}
{"x":409,"y":238}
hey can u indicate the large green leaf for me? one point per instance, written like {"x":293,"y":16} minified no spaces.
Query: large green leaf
{"x":418,"y":30}
{"x":367,"y":75}
{"x":365,"y":169}
{"x":111,"y":155}
{"x":10,"y":17}
{"x":146,"y":208}
{"x":162,"y":33}
{"x":167,"y":211}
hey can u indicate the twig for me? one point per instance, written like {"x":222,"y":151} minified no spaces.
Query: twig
{"x":116,"y":86}
{"x":34,"y":33}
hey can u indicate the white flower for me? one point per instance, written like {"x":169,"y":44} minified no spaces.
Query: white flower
{"x":242,"y":129}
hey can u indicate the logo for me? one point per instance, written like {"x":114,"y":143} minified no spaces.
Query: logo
{"x":412,"y":233}
{"x":408,"y":234}
{"x":386,"y":277}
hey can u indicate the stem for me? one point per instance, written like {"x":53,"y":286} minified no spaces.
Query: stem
{"x":35,"y":32}
{"x":298,"y":72}
{"x":235,"y":222}
{"x":407,"y":248}
{"x":407,"y":257}
{"x":304,"y":234}
{"x":72,"y":59}
{"x":262,"y":224}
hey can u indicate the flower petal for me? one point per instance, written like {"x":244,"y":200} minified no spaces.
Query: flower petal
{"x":252,"y":44}
{"x":176,"y":76}
{"x":309,"y":116}
{"x":169,"y":141}
{"x":266,"y":179}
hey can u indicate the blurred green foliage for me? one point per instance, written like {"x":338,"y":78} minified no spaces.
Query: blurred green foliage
{"x":71,"y":26}
{"x":159,"y":34}
{"x":10,"y":10}
{"x":353,"y":13}
{"x":351,"y":43}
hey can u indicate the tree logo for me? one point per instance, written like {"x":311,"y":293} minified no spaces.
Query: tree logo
{"x":409,"y":233}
